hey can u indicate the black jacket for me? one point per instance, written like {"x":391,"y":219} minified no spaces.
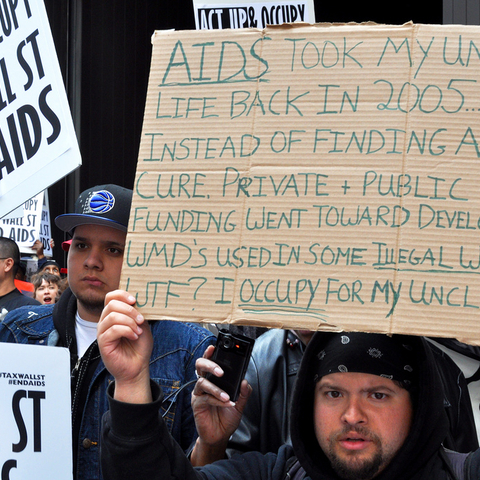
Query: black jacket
{"x":462,"y":433}
{"x":272,"y":372}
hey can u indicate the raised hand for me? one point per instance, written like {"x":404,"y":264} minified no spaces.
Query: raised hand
{"x":125,"y":343}
{"x":216,"y":417}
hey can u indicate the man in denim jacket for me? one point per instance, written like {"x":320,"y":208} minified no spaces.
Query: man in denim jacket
{"x":95,"y":257}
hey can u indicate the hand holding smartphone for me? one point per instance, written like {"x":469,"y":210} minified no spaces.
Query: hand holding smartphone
{"x":232,"y":354}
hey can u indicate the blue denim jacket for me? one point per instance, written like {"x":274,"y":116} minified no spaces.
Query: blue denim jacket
{"x":176,"y":347}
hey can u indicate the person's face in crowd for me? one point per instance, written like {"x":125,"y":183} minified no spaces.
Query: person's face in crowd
{"x":94,"y":265}
{"x":361,"y":421}
{"x":53,"y":269}
{"x":46,"y":293}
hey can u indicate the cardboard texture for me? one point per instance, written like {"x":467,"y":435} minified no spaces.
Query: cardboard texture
{"x":312,"y":176}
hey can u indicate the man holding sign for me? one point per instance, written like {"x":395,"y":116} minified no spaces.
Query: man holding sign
{"x":99,"y":226}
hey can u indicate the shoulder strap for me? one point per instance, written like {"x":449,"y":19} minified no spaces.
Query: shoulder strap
{"x":456,"y":461}
{"x":294,"y":471}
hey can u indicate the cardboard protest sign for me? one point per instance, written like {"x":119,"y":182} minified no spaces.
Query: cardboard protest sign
{"x":222,"y":14}
{"x":35,"y":412}
{"x":319,"y":177}
{"x":38,"y":145}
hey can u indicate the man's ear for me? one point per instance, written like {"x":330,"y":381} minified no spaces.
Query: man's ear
{"x":9,"y":263}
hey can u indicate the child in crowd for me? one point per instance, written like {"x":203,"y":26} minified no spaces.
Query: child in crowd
{"x":48,"y":288}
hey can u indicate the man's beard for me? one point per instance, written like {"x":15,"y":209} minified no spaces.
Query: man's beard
{"x":350,"y":468}
{"x":91,"y":303}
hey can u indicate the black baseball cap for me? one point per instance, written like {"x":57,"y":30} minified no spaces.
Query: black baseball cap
{"x":47,"y":264}
{"x":106,"y":205}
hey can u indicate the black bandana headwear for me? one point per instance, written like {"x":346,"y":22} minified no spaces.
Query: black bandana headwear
{"x":377,"y":354}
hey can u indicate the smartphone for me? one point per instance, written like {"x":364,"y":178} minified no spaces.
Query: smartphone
{"x":232,"y":354}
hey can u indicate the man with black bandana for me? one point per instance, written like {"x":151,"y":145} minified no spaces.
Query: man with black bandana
{"x":365,"y":406}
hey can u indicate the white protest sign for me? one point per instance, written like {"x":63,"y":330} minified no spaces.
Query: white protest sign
{"x":222,"y":14}
{"x":45,"y":232}
{"x":18,"y":212}
{"x":38,"y":145}
{"x":36,"y":439}
{"x":33,"y":225}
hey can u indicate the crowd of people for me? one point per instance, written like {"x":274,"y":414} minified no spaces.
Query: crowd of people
{"x":17,"y":288}
{"x":326,"y":406}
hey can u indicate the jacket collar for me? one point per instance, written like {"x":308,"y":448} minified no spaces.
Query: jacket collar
{"x":64,"y":320}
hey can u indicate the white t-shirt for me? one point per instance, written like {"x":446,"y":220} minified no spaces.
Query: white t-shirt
{"x":86,"y":333}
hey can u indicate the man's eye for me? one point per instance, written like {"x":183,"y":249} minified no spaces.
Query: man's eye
{"x":333,"y":394}
{"x":379,"y":395}
{"x":80,"y":245}
{"x":115,"y":251}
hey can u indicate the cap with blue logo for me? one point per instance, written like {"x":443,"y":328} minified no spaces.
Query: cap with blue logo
{"x":107,"y":205}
